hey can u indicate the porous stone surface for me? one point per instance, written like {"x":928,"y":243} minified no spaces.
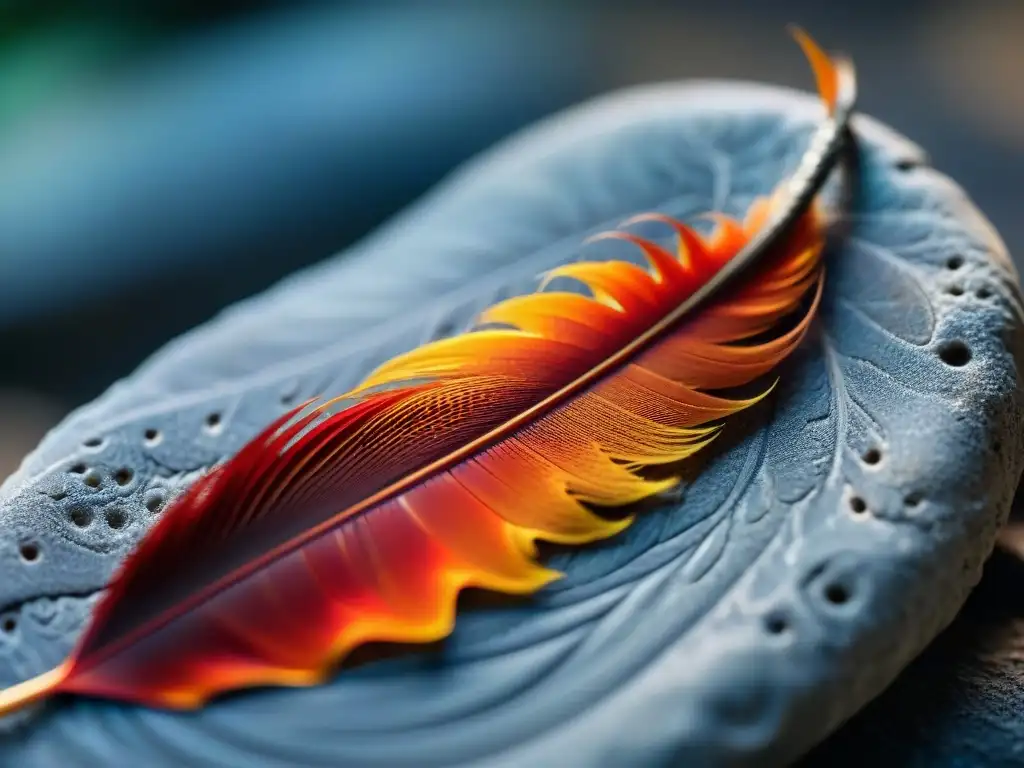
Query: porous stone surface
{"x":961,"y":702}
{"x":828,"y":537}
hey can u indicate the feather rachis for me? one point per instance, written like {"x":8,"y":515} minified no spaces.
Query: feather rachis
{"x":562,"y":511}
{"x":331,"y":530}
{"x":585,"y":472}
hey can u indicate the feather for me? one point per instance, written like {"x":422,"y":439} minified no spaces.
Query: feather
{"x":361,"y":518}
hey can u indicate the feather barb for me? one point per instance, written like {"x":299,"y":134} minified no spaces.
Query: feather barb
{"x":361,"y":519}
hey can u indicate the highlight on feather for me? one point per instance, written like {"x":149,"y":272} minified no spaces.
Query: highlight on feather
{"x":361,"y":519}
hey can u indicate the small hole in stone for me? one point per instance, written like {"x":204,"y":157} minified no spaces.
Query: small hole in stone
{"x":289,"y":394}
{"x":955,"y":353}
{"x":776,"y":623}
{"x":955,"y":262}
{"x":906,"y":165}
{"x":78,"y":469}
{"x":93,"y":442}
{"x":93,"y":480}
{"x":955,"y":290}
{"x":29,"y":552}
{"x":983,"y":293}
{"x":81,"y":517}
{"x":155,"y":502}
{"x":152,"y":436}
{"x":123,"y":476}
{"x":213,"y":421}
{"x":836,"y":594}
{"x":872,"y":456}
{"x":858,"y":505}
{"x":9,"y":624}
{"x":115,"y":518}
{"x":58,"y":495}
{"x":913,"y":498}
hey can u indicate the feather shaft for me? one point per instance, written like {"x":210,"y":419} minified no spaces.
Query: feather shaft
{"x":372,"y":519}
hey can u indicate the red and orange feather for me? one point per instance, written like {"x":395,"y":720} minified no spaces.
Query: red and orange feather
{"x":442,"y":469}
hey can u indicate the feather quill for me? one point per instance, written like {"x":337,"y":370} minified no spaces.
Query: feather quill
{"x":361,"y":519}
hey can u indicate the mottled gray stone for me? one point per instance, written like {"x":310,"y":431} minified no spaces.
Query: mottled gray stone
{"x":736,"y":626}
{"x":961,"y":703}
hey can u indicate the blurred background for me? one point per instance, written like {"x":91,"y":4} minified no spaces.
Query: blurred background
{"x":160,"y":160}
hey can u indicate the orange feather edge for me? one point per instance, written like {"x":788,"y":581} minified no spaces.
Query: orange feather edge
{"x":446,"y":465}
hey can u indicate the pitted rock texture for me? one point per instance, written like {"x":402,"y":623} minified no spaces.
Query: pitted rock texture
{"x":824,"y":542}
{"x":960,"y":702}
